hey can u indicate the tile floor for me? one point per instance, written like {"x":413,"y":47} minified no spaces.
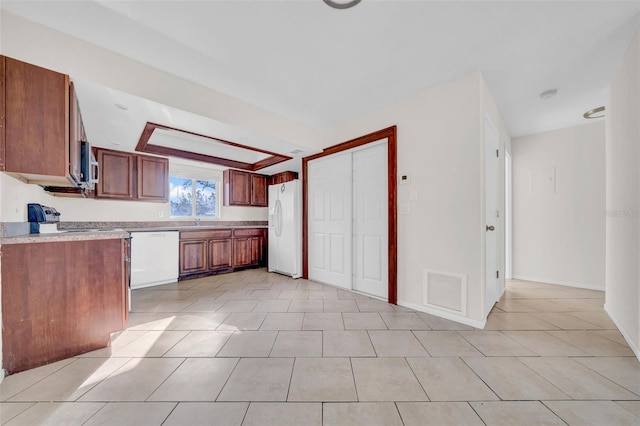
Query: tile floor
{"x":255,"y":348}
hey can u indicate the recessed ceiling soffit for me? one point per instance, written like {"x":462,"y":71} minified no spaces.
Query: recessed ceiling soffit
{"x":170,"y":141}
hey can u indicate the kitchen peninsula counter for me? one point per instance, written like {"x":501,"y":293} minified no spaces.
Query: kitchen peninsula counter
{"x":64,"y":237}
{"x":63,"y":295}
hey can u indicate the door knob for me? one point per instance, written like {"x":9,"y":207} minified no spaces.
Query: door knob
{"x":491,"y":228}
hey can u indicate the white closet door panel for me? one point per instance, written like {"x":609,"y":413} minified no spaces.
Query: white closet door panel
{"x":370,"y":233}
{"x":329,"y":225}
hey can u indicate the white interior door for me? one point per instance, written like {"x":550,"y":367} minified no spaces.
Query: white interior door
{"x":491,"y":164}
{"x":370,"y":220}
{"x":329,"y":220}
{"x":508,"y":247}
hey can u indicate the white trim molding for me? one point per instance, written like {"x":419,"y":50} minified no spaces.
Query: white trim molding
{"x":445,"y":314}
{"x":557,"y":282}
{"x":627,"y":338}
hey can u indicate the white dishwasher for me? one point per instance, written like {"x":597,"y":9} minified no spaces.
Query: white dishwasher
{"x":154,"y":258}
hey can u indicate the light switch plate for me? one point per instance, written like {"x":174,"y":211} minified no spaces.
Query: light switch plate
{"x":405,"y":179}
{"x":405,"y":208}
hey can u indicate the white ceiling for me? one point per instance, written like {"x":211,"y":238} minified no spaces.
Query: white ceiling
{"x":115,"y":120}
{"x":324,"y":67}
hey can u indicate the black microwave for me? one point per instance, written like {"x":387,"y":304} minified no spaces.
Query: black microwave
{"x":85,"y":181}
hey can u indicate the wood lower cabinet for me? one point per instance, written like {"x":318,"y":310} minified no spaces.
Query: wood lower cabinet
{"x":218,"y":251}
{"x":60,"y":299}
{"x":127,"y":176}
{"x":193,"y":256}
{"x":248,"y":247}
{"x":220,"y":254}
{"x":241,"y":252}
{"x":257,"y":250}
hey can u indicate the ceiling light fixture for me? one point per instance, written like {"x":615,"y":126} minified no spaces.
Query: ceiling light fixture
{"x":594,"y":113}
{"x":341,"y":4}
{"x":548,"y":94}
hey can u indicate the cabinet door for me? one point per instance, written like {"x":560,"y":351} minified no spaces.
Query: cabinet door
{"x":76,"y":135}
{"x":153,"y":178}
{"x":116,"y":174}
{"x":220,"y":254}
{"x":282,"y":177}
{"x":65,"y":304}
{"x":237,"y":188}
{"x":193,"y":256}
{"x":241,"y":252}
{"x":258,"y":190}
{"x":36,"y":122}
{"x":257,"y":245}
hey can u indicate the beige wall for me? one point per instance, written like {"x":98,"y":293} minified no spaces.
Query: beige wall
{"x":559,"y":227}
{"x":39,"y":45}
{"x":623,"y":197}
{"x":440,"y":144}
{"x":14,"y":196}
{"x":36,"y":44}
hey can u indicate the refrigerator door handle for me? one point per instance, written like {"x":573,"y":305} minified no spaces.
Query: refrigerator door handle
{"x":278,"y":218}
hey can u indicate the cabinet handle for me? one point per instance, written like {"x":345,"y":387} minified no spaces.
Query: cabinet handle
{"x":95,"y":166}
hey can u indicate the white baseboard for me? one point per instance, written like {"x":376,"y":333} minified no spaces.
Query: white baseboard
{"x":632,"y":345}
{"x":446,"y":315}
{"x":558,"y":282}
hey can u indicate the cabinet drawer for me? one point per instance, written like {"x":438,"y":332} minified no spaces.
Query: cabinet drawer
{"x":200,"y":235}
{"x":247,"y":232}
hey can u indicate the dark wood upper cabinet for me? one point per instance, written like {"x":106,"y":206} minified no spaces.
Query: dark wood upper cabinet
{"x":237,"y":188}
{"x":34,"y":123}
{"x":153,"y":178}
{"x":116,"y":174}
{"x":41,"y":126}
{"x":259,"y":190}
{"x":128,"y":176}
{"x":76,"y":135}
{"x":244,"y":189}
{"x":281,"y":177}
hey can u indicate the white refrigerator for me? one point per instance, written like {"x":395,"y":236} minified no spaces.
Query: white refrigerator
{"x":285,"y":228}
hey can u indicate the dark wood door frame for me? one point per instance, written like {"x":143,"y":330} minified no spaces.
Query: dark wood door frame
{"x":390,"y":134}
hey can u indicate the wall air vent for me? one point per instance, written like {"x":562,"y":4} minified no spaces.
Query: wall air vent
{"x":445,"y":291}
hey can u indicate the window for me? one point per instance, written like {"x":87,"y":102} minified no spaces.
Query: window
{"x":193,"y":197}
